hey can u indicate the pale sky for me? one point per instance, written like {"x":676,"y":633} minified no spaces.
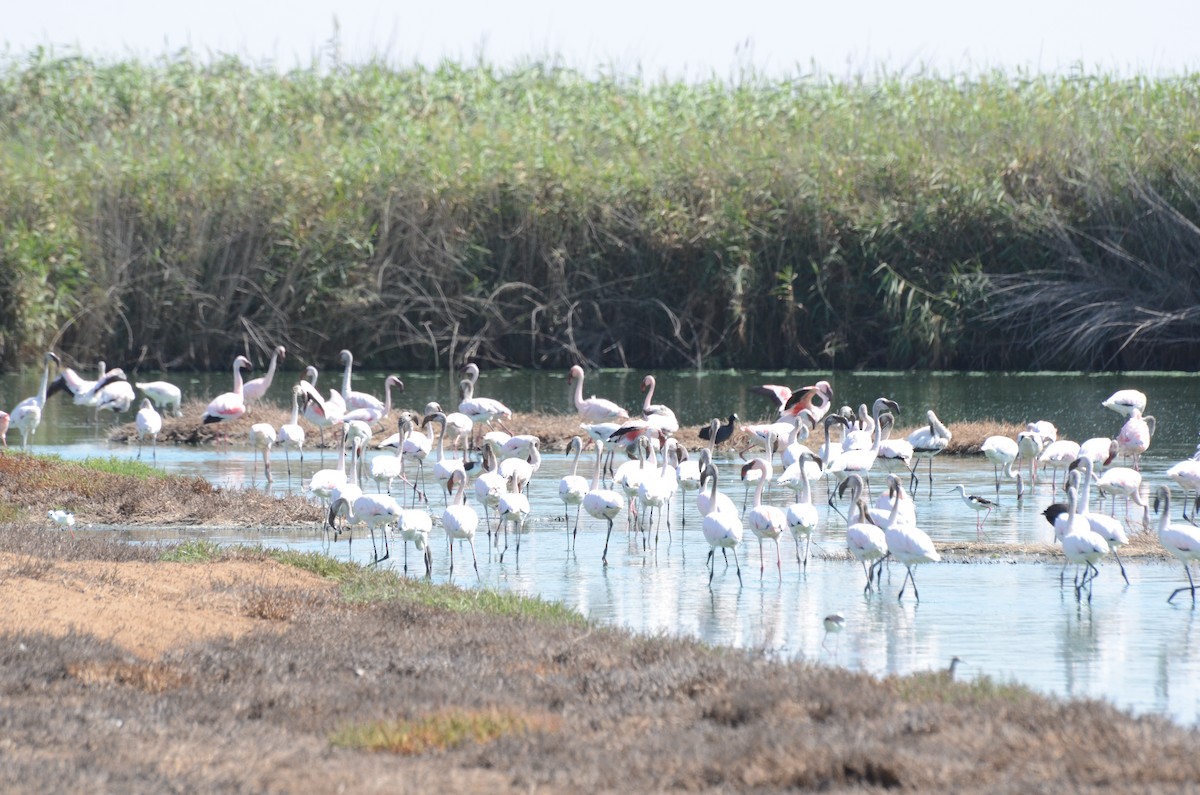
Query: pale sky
{"x":678,"y":39}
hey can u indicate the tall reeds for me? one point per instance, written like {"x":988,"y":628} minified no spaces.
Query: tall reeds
{"x":178,"y":211}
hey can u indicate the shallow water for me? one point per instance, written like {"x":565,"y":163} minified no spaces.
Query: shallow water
{"x":1006,"y":618}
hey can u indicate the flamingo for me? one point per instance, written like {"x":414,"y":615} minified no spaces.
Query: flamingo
{"x":866,"y":542}
{"x":489,"y":485}
{"x":1111,"y":530}
{"x":709,"y":500}
{"x":982,"y":506}
{"x":262,"y":437}
{"x":1003,"y":453}
{"x":722,"y":528}
{"x":816,"y":398}
{"x":593,"y":409}
{"x":166,"y":396}
{"x":1124,"y":481}
{"x":1134,"y":437}
{"x":767,"y":522}
{"x":458,"y":425}
{"x":1081,"y":544}
{"x":372,"y":413}
{"x":319,"y":411}
{"x":27,"y":415}
{"x":254,"y":389}
{"x":802,"y":517}
{"x":149,"y":423}
{"x":658,"y":415}
{"x":926,"y":443}
{"x":573,"y":487}
{"x":658,"y":487}
{"x":115,"y":393}
{"x":483,"y":410}
{"x":84,"y":392}
{"x":1030,"y":444}
{"x":355,"y":400}
{"x":291,"y":434}
{"x":228,"y":405}
{"x":1187,"y":474}
{"x":775,"y":393}
{"x":513,"y":509}
{"x":1100,"y":449}
{"x":602,"y":503}
{"x":1057,"y":455}
{"x":460,"y":520}
{"x":357,"y":434}
{"x":895,"y":451}
{"x":1125,"y":402}
{"x":906,"y":542}
{"x":443,"y":467}
{"x":1181,"y":540}
{"x":376,"y":511}
{"x":415,"y":525}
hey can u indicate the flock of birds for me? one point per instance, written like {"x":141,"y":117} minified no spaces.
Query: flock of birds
{"x":657,"y":468}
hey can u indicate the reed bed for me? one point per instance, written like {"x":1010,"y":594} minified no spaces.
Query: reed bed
{"x":175,"y":212}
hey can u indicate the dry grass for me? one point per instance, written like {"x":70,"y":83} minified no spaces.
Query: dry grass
{"x":476,"y":701}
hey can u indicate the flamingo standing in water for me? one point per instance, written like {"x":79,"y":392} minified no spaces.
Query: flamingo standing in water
{"x":254,"y":389}
{"x":593,"y":409}
{"x":1134,"y":438}
{"x":1125,"y":402}
{"x":1181,"y":540}
{"x":27,"y":415}
{"x":460,"y":520}
{"x":166,"y":396}
{"x":262,"y":437}
{"x":1002,"y":452}
{"x":926,"y":443}
{"x":149,"y":423}
{"x":229,"y":405}
{"x":573,"y":487}
{"x":767,"y":522}
{"x":722,"y":527}
{"x":291,"y":434}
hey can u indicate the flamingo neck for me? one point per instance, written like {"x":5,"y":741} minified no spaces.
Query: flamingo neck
{"x":649,"y":399}
{"x":346,"y":378}
{"x":295,"y":408}
{"x":237,"y":378}
{"x":596,"y":471}
{"x":579,"y":405}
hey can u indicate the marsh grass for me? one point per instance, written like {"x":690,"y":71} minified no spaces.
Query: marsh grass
{"x":181,"y":211}
{"x":193,"y":551}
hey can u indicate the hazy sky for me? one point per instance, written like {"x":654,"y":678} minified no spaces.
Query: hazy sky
{"x":676,"y":38}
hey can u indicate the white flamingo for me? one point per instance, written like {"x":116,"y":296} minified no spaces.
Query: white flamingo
{"x":659,"y":415}
{"x":1181,"y":540}
{"x":1081,"y":545}
{"x":1126,"y":482}
{"x":927,"y":441}
{"x":861,"y":461}
{"x":376,"y":511}
{"x":291,"y":434}
{"x":458,"y":425}
{"x":722,"y":528}
{"x":353,"y":399}
{"x":573,"y":487}
{"x":1187,"y":474}
{"x":322,"y":412}
{"x":373,"y":414}
{"x":866,"y":542}
{"x":1002,"y":452}
{"x":256,"y":388}
{"x":1125,"y":402}
{"x":593,"y":409}
{"x":906,"y":542}
{"x":513,"y":509}
{"x":802,"y":516}
{"x":460,"y":520}
{"x":767,"y":522}
{"x":1059,"y":454}
{"x":1107,"y":527}
{"x":27,"y":415}
{"x":262,"y":437}
{"x":148,"y":423}
{"x":443,"y":467}
{"x":602,"y":503}
{"x":414,"y":526}
{"x":166,"y":396}
{"x":482,"y":410}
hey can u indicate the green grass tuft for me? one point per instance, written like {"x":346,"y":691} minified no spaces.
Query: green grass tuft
{"x":439,"y":731}
{"x":197,"y":550}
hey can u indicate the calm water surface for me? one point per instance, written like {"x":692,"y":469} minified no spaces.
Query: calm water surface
{"x":1009,"y":619}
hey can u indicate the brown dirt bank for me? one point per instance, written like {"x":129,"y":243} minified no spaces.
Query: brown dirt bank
{"x":120,"y":672}
{"x":555,"y":430}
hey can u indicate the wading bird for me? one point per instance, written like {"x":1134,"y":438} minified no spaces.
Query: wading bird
{"x":148,"y":423}
{"x":593,"y":409}
{"x":254,"y":389}
{"x":1181,"y":540}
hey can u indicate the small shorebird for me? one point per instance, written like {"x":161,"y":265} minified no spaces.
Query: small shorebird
{"x":981,"y":505}
{"x":834,"y":624}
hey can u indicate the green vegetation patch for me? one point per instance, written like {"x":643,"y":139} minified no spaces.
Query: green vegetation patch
{"x":439,"y":731}
{"x":197,"y":550}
